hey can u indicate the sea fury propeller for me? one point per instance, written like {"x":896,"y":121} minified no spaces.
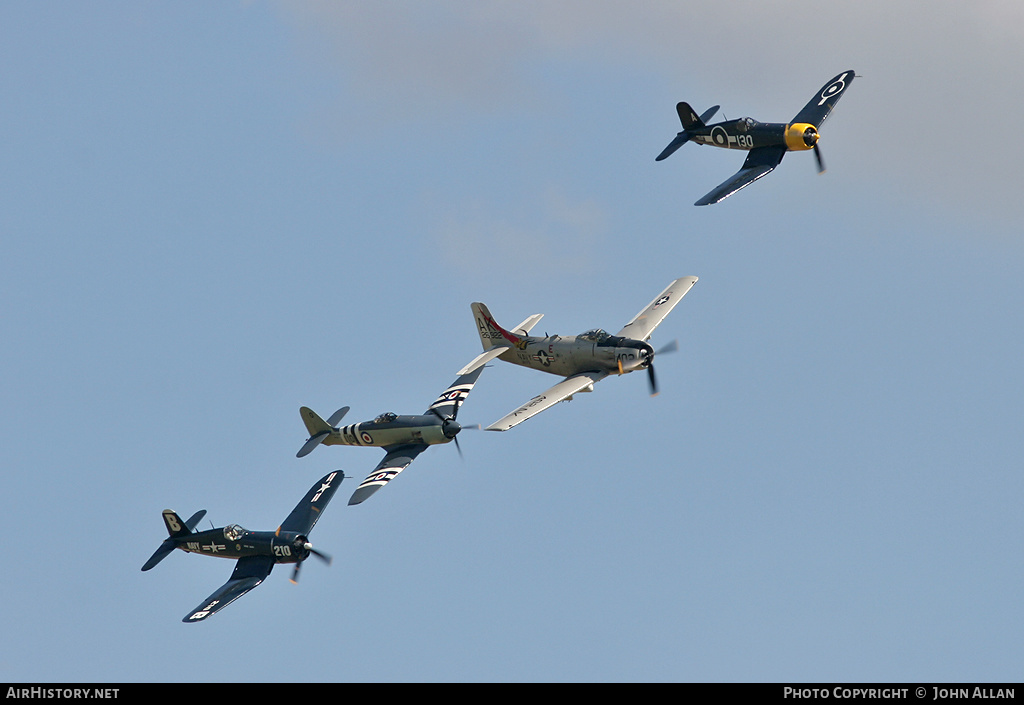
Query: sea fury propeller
{"x":256,"y":552}
{"x":449,"y":426}
{"x":402,"y":437}
{"x":582,"y":359}
{"x":765,"y":143}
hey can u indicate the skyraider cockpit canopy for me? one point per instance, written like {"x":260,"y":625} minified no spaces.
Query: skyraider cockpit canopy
{"x":233,"y":532}
{"x":386,"y":417}
{"x":603,"y":339}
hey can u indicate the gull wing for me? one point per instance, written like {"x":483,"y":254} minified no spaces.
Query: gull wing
{"x":397,"y":460}
{"x":304,"y":516}
{"x":821,"y":105}
{"x":249,"y":572}
{"x":561,"y":391}
{"x":759,"y":162}
{"x":644,"y":323}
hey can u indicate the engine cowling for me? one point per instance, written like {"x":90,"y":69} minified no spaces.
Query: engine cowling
{"x":801,"y":136}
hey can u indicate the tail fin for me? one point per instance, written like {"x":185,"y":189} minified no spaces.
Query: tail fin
{"x":314,"y":424}
{"x":491,"y":334}
{"x":177,"y":529}
{"x":318,"y":429}
{"x":688,"y":117}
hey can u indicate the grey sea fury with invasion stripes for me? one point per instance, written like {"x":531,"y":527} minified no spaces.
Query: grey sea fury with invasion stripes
{"x":402,"y":437}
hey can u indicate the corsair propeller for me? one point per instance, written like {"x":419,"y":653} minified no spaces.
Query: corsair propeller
{"x":304,"y":543}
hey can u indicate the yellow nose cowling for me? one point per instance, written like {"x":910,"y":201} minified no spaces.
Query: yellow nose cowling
{"x":801,"y":136}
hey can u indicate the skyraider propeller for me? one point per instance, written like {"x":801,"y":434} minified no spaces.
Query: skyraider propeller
{"x":256,"y":551}
{"x":582,"y":359}
{"x":766,"y":143}
{"x":402,"y":437}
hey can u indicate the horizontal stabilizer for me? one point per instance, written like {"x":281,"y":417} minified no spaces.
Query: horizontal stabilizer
{"x":337,"y":416}
{"x":165,"y":549}
{"x":709,"y":113}
{"x":312,"y":443}
{"x":195,"y":519}
{"x":526,"y":326}
{"x":681,"y":139}
{"x":482,"y":359}
{"x":317,"y":427}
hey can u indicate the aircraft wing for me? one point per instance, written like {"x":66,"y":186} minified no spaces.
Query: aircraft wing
{"x":249,"y":572}
{"x":456,"y":393}
{"x":760,"y":161}
{"x":304,"y":516}
{"x":397,"y":460}
{"x":821,"y":105}
{"x":644,"y":323}
{"x":561,"y":391}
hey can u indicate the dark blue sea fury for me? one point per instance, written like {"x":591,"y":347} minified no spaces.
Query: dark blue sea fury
{"x":256,"y":551}
{"x":765,"y":142}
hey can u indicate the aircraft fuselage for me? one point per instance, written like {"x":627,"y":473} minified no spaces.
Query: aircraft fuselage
{"x":567,"y":356}
{"x":397,"y":431}
{"x":235,"y":542}
{"x":747,"y":134}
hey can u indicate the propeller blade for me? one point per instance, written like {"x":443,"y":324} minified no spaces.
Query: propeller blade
{"x":651,"y":380}
{"x":821,"y":162}
{"x":669,"y":348}
{"x":458,"y":447}
{"x":295,"y":574}
{"x":322,"y":556}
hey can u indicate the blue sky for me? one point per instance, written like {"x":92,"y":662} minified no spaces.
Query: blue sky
{"x":212,"y":214}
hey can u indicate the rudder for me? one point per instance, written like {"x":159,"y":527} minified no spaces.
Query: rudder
{"x":688,"y":117}
{"x":491,"y":334}
{"x":175,"y":526}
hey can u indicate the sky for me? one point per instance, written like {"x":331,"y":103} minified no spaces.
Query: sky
{"x":212,"y":214}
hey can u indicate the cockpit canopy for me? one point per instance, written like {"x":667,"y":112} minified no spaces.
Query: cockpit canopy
{"x":233,"y":532}
{"x":595,"y":335}
{"x":745,"y":124}
{"x":386,"y":417}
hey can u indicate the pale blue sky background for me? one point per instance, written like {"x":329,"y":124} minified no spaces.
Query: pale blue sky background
{"x":213,"y":213}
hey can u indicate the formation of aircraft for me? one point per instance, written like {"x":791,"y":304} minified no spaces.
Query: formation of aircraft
{"x":765,"y":142}
{"x":401,"y":437}
{"x":257,"y":552}
{"x":582,"y":359}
